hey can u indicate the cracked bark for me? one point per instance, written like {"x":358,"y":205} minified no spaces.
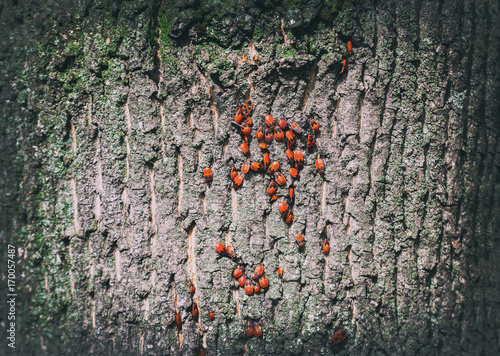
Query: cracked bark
{"x":110,"y":117}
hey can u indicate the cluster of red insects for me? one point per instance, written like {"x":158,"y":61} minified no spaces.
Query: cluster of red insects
{"x":265,"y":135}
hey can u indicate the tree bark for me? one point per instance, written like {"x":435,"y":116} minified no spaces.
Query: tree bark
{"x":111,"y":111}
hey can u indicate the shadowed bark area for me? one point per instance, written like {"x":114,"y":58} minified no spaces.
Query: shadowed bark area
{"x":111,"y":111}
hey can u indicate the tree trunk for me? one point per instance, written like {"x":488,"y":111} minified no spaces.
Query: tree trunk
{"x":110,"y":113}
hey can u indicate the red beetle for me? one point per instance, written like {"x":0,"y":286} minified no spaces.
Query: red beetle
{"x":256,"y":166}
{"x":279,"y":178}
{"x":299,"y":158}
{"x":247,"y":107}
{"x":320,"y":166}
{"x":256,"y":288}
{"x":230,"y":251}
{"x":280,"y":272}
{"x":268,"y":135}
{"x":246,"y":130}
{"x":192,"y":288}
{"x":269,"y":120}
{"x":237,"y":181}
{"x":283,"y":124}
{"x":289,"y":155}
{"x":273,"y":167}
{"x":178,"y":320}
{"x":234,"y":172}
{"x":257,"y":330}
{"x":246,"y":166}
{"x":349,"y":47}
{"x":296,"y":127}
{"x":338,"y":337}
{"x":245,"y":149}
{"x":239,"y":116}
{"x":326,"y":246}
{"x":300,"y":240}
{"x":260,"y":133}
{"x":219,"y":247}
{"x":207,"y":173}
{"x":195,"y":311}
{"x":266,"y":160}
{"x":264,"y":282}
{"x":290,"y":137}
{"x":294,"y":172}
{"x":274,"y":197}
{"x":283,"y":209}
{"x":263,"y":145}
{"x":211,"y":315}
{"x":314,"y":125}
{"x":344,"y":62}
{"x":239,"y":271}
{"x":291,"y":195}
{"x":248,"y":329}
{"x":242,"y":280}
{"x":289,"y":216}
{"x":271,"y":188}
{"x":311,"y":141}
{"x":248,"y":121}
{"x":278,"y":134}
{"x":259,"y":270}
{"x":248,"y":287}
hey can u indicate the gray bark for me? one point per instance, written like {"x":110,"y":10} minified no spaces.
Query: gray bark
{"x":110,"y":113}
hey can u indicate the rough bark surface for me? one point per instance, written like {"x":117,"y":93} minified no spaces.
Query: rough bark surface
{"x":110,"y":112}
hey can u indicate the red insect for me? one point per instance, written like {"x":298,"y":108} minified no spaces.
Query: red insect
{"x":256,"y":288}
{"x":242,"y":280}
{"x":257,"y":330}
{"x":280,"y":272}
{"x":344,"y":62}
{"x":239,"y":271}
{"x":289,"y":217}
{"x":311,"y":141}
{"x":294,"y":172}
{"x":237,"y":181}
{"x":271,"y":188}
{"x":259,"y":270}
{"x":283,"y":209}
{"x":260,"y":133}
{"x":268,"y":135}
{"x":195,"y":311}
{"x":289,"y":155}
{"x":248,"y":121}
{"x":296,"y":127}
{"x":219,"y":247}
{"x":192,"y":288}
{"x":234,"y":172}
{"x":266,"y":160}
{"x":248,"y":329}
{"x":230,"y":251}
{"x":207,"y":173}
{"x":300,"y":240}
{"x":256,"y":166}
{"x":314,"y":125}
{"x":283,"y":124}
{"x":246,"y":130}
{"x":320,"y":166}
{"x":278,"y":134}
{"x":269,"y":120}
{"x":246,"y":166}
{"x":274,"y":197}
{"x":279,"y":178}
{"x":273,"y":167}
{"x":326,"y":246}
{"x":299,"y":158}
{"x":264,"y":282}
{"x":263,"y":145}
{"x":247,"y":107}
{"x":338,"y":337}
{"x":211,"y":315}
{"x":248,"y":287}
{"x":349,"y":47}
{"x":245,"y":149}
{"x":291,"y":195}
{"x":239,"y":116}
{"x":290,"y":136}
{"x":178,"y":320}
